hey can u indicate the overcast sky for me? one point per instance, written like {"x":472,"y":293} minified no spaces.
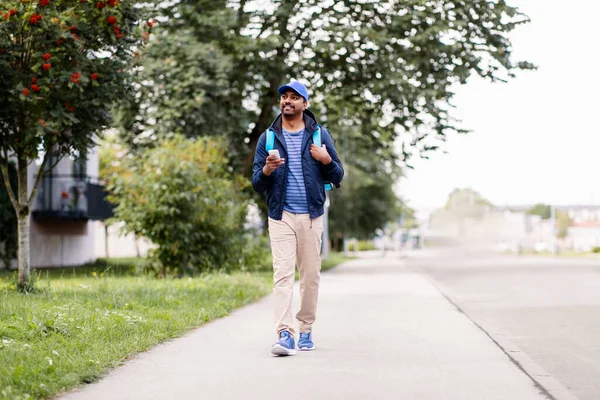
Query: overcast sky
{"x":537,"y":138}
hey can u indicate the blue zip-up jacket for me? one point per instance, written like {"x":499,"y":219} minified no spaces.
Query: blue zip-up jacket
{"x":315,"y":173}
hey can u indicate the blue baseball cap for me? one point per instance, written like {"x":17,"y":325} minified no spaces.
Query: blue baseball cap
{"x":296,"y":87}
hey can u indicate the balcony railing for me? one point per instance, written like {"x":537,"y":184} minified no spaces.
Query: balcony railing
{"x":71,"y":197}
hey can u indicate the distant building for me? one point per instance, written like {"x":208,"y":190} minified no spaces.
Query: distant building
{"x":69,"y":201}
{"x":513,"y":229}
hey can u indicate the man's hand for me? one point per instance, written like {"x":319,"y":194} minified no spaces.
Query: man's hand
{"x":272,"y":164}
{"x":320,"y":154}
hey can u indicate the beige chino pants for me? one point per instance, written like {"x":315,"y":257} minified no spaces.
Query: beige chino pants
{"x":296,"y":240}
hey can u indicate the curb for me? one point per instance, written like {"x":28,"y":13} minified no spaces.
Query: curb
{"x":549,"y":386}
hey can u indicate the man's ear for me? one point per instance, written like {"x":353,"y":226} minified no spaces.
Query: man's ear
{"x":306,"y":105}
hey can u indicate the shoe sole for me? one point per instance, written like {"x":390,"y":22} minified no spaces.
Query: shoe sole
{"x":306,"y":348}
{"x":278,"y":350}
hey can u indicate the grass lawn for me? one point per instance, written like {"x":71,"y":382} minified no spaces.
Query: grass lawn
{"x":333,"y":260}
{"x":81,"y":322}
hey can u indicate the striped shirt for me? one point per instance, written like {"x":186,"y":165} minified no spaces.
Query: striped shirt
{"x":295,"y":191}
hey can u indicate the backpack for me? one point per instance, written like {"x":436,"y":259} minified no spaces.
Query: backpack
{"x":316,"y":140}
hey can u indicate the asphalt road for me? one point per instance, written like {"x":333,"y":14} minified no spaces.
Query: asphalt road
{"x":548,"y":307}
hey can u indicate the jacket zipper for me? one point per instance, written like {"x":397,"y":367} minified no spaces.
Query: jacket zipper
{"x":305,"y":187}
{"x":285,"y":174}
{"x":283,"y":187}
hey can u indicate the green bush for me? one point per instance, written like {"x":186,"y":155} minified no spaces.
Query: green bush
{"x":256,"y":255}
{"x":363,"y":245}
{"x":182,"y":196}
{"x":596,"y":249}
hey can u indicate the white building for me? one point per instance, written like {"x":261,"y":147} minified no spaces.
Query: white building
{"x":512,"y":228}
{"x":63,"y":220}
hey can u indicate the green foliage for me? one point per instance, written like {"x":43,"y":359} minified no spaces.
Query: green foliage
{"x":363,"y":245}
{"x":333,"y":261}
{"x":543,"y":210}
{"x":8,"y":220}
{"x":410,"y":223}
{"x":193,"y":97}
{"x":62,"y":65}
{"x":182,"y":196}
{"x":364,"y":204}
{"x":380,"y":74}
{"x":563,"y":221}
{"x":366,"y":201}
{"x":109,"y":157}
{"x":185,"y":86}
{"x":391,"y":66}
{"x":467,"y":203}
{"x":596,"y":249}
{"x":255,"y":254}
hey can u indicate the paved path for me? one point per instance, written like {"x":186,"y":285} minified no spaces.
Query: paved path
{"x":383,"y":332}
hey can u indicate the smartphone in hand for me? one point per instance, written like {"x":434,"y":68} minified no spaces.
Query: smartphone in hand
{"x":275,"y":153}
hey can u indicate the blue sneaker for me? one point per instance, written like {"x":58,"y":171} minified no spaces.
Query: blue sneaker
{"x":285,"y":346}
{"x":305,"y":342}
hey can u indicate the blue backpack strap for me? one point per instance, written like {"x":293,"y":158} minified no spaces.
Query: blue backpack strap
{"x":317,"y":137}
{"x":317,"y":142}
{"x":270,"y":143}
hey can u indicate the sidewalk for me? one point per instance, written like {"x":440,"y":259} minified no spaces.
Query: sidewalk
{"x":383,"y":332}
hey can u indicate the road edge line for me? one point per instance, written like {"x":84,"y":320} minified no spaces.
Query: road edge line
{"x":545,"y":382}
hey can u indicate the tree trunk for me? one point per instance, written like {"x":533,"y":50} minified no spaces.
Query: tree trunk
{"x":137,"y":246}
{"x":22,"y":202}
{"x":23,"y":253}
{"x":23,"y":225}
{"x":106,"y":240}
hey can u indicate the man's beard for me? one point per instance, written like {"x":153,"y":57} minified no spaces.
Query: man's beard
{"x":291,"y":111}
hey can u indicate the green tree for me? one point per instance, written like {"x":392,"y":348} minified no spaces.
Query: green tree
{"x":563,"y":222}
{"x":462,"y":206}
{"x":182,"y":89}
{"x":63,"y":64}
{"x":467,"y":203}
{"x":366,"y":203}
{"x":396,"y":62}
{"x":381,"y":74}
{"x":182,"y":197}
{"x":543,"y":210}
{"x":409,"y":218}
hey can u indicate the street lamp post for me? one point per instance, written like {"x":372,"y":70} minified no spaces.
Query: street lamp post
{"x":553,"y":223}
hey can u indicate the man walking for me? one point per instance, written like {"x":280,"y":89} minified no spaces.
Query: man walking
{"x":293,"y":181}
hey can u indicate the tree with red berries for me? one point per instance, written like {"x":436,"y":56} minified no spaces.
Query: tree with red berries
{"x":63,"y":64}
